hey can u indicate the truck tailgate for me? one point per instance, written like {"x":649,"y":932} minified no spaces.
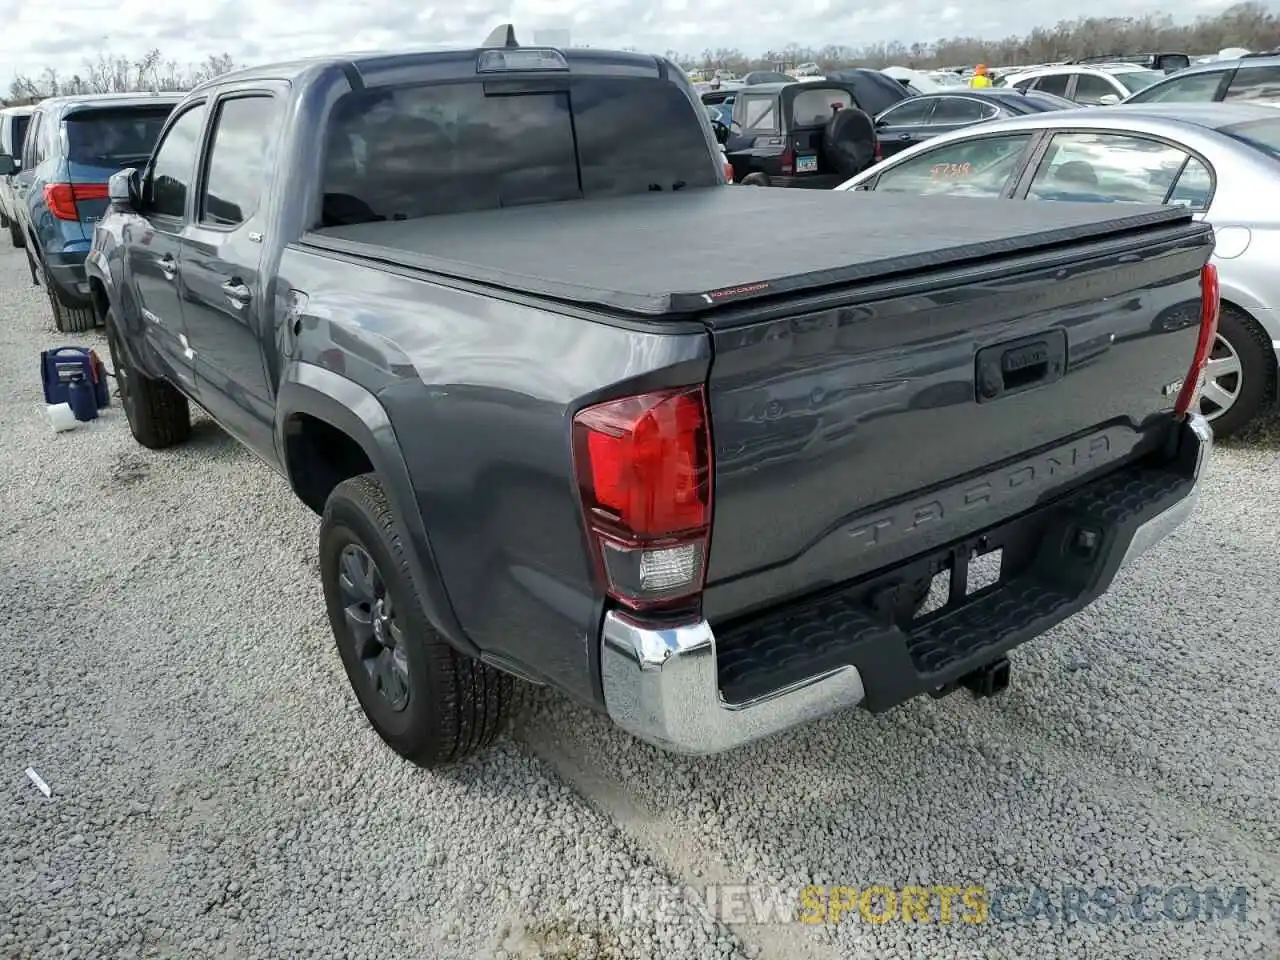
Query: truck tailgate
{"x":870,"y":426}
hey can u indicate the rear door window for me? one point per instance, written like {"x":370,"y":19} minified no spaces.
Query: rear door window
{"x":961,"y":110}
{"x":1194,"y":188}
{"x":239,"y":160}
{"x":1255,"y":85}
{"x":114,"y":139}
{"x":1091,"y":88}
{"x":1107,"y":168}
{"x":31,"y":144}
{"x":814,"y":107}
{"x":969,"y":168}
{"x":416,"y":151}
{"x":1055,"y":83}
{"x":909,"y":113}
{"x":17,"y":129}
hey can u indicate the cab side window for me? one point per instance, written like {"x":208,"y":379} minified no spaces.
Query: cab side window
{"x":239,"y":160}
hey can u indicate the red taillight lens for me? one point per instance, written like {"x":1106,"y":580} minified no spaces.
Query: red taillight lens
{"x":61,"y":198}
{"x":1210,"y":301}
{"x":728,"y":171}
{"x":788,"y":160}
{"x":644,"y":472}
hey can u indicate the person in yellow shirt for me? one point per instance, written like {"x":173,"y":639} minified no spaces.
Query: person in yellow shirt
{"x":980,"y":78}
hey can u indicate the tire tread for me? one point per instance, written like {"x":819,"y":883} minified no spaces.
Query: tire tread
{"x":473,"y":700}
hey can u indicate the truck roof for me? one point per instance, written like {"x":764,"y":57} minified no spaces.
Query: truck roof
{"x":62,"y":105}
{"x":625,"y":253}
{"x":375,"y":68}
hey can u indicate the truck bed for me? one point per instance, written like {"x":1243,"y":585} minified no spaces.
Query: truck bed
{"x":647,"y":254}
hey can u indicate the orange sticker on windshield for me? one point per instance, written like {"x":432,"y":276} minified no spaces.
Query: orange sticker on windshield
{"x":950,"y":171}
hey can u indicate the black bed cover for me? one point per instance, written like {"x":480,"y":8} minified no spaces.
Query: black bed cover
{"x":662,"y":254}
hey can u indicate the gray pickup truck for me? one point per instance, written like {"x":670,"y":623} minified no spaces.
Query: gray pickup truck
{"x":855,"y":456}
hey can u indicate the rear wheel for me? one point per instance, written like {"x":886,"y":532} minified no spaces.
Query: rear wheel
{"x":754,"y":180}
{"x":428,"y":702}
{"x":67,"y":319}
{"x":1240,"y":374}
{"x":159,"y":416}
{"x":15,"y":235}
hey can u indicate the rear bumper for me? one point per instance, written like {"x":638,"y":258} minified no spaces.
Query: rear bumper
{"x":66,"y":272}
{"x":683,"y":689}
{"x":816,"y":181}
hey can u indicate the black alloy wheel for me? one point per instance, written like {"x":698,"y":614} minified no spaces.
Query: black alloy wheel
{"x":372,"y":631}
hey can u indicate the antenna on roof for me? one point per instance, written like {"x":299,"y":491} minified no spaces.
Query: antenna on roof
{"x":502,"y":36}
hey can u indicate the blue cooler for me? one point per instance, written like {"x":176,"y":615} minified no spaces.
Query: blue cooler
{"x":61,"y":365}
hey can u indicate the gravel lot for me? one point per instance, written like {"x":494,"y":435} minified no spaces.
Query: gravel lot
{"x":217,"y":794}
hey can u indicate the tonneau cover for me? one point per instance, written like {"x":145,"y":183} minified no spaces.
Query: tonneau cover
{"x":661,"y":254}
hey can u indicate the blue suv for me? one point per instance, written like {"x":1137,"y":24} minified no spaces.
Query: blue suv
{"x":72,"y":146}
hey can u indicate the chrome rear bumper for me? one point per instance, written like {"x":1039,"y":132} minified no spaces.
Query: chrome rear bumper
{"x":662,"y":684}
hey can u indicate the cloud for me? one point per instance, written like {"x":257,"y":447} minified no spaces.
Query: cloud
{"x":65,"y":34}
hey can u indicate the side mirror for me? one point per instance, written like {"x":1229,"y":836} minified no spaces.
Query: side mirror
{"x":122,"y":191}
{"x":1108,"y":100}
{"x":721,"y":132}
{"x":7,"y":167}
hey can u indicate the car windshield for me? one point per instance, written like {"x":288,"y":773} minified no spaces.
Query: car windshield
{"x":1262,"y":135}
{"x":116,"y":137}
{"x":1135,"y":80}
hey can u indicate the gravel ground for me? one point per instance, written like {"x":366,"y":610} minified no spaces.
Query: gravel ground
{"x":216,"y":792}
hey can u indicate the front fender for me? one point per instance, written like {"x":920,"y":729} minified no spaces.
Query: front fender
{"x":309,"y":389}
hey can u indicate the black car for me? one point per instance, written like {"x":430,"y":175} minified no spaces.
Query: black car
{"x":918,"y":118}
{"x":797,"y":134}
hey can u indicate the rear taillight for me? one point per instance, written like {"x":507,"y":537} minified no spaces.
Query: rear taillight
{"x":1189,"y":395}
{"x":61,"y":198}
{"x":728,"y":172}
{"x":788,"y":160}
{"x":643,"y":465}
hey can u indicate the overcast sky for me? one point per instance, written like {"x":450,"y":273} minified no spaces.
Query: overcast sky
{"x":63,"y":33}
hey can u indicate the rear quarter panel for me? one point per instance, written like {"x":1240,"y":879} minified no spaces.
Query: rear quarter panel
{"x":481,"y":393}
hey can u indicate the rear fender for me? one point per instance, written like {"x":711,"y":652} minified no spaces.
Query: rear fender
{"x":308,"y":389}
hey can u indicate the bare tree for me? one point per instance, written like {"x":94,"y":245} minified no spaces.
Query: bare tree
{"x":1250,"y":24}
{"x":116,"y":74}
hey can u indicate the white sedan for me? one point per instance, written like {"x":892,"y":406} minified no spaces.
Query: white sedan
{"x":1222,"y":160}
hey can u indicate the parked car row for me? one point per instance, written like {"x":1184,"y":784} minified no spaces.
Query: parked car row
{"x":1216,"y":159}
{"x":55,"y":160}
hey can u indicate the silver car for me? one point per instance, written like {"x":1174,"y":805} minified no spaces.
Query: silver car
{"x":1222,"y":160}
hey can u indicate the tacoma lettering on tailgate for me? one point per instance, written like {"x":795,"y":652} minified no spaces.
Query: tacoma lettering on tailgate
{"x":1013,"y":482}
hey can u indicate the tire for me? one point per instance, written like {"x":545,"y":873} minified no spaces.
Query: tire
{"x":431,"y":704}
{"x":849,"y":141}
{"x":1242,"y":347}
{"x":15,"y":235}
{"x":754,"y":180}
{"x":4,"y":221}
{"x":68,"y":319}
{"x":159,"y":415}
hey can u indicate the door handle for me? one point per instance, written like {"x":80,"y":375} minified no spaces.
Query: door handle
{"x":237,"y":293}
{"x":168,"y":266}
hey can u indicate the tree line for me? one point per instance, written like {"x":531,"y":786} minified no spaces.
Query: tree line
{"x":1250,"y":25}
{"x":116,"y":74}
